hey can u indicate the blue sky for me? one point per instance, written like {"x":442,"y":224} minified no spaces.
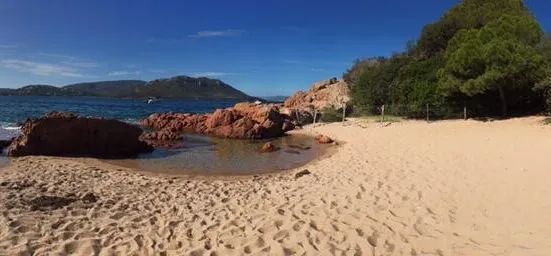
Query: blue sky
{"x":271,"y":47}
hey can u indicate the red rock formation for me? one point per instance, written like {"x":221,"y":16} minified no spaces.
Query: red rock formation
{"x":268,"y":147}
{"x":165,"y":139}
{"x":298,"y":99}
{"x":175,"y":122}
{"x":323,"y":139}
{"x":66,"y":134}
{"x":164,"y":134}
{"x":221,"y":117}
{"x":243,"y":121}
{"x":330,"y":93}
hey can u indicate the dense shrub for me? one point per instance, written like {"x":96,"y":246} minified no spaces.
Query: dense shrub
{"x":330,"y":115}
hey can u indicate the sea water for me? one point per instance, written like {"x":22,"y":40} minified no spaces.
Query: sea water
{"x":206,"y":155}
{"x":16,"y":109}
{"x":200,"y":154}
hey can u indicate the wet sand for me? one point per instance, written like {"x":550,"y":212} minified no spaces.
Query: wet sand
{"x":412,"y":188}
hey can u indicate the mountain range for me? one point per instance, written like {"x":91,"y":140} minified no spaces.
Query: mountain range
{"x":178,"y":87}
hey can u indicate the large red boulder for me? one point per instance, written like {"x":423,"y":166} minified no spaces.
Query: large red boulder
{"x":165,"y":134}
{"x":175,"y":121}
{"x":323,"y":139}
{"x":164,"y":139}
{"x":296,"y":100}
{"x":268,"y":147}
{"x":221,"y":117}
{"x":66,"y":134}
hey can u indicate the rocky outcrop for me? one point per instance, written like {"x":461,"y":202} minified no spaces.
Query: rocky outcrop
{"x":165,"y":139}
{"x":175,"y":122}
{"x":243,"y":121}
{"x":299,"y":115}
{"x":330,"y":93}
{"x":268,"y":147}
{"x":327,"y":93}
{"x":323,"y":139}
{"x":66,"y":134}
{"x":165,"y":134}
{"x":323,"y":84}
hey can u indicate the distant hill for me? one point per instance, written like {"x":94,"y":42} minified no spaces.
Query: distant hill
{"x":178,"y":87}
{"x":41,"y":90}
{"x":189,"y":87}
{"x":110,"y":89}
{"x":4,"y":91}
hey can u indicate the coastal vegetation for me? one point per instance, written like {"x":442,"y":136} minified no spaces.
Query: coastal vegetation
{"x":331,"y":115}
{"x":179,"y":87}
{"x":490,"y":56}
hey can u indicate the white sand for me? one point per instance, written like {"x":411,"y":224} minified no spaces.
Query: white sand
{"x":412,"y":188}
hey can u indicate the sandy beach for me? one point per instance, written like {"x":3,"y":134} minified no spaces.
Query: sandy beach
{"x":411,"y":188}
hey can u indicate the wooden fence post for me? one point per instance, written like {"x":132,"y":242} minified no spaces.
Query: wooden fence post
{"x":383,"y":114}
{"x":465,"y":111}
{"x":315,"y":115}
{"x":428,"y":113}
{"x":343,"y":111}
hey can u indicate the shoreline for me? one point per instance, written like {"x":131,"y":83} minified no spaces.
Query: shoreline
{"x":410,"y":188}
{"x":324,"y":152}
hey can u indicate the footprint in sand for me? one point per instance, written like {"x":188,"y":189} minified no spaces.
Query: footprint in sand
{"x":298,"y":225}
{"x":372,"y":239}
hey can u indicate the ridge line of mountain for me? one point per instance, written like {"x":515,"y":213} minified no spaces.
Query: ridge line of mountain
{"x":177,"y":87}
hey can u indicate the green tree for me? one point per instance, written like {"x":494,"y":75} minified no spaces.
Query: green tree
{"x":545,"y":47}
{"x":415,"y":86}
{"x":352,"y":74}
{"x":501,"y":56}
{"x":544,"y":85}
{"x":373,"y":84}
{"x":488,"y":54}
{"x":469,"y":14}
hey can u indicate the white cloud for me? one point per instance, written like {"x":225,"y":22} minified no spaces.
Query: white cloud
{"x":124,"y":73}
{"x":71,"y":61}
{"x":212,"y":74}
{"x":217,"y":33}
{"x":42,"y":69}
{"x":58,"y":56}
{"x":81,"y":64}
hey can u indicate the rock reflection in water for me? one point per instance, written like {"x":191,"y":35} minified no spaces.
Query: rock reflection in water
{"x":214,"y":156}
